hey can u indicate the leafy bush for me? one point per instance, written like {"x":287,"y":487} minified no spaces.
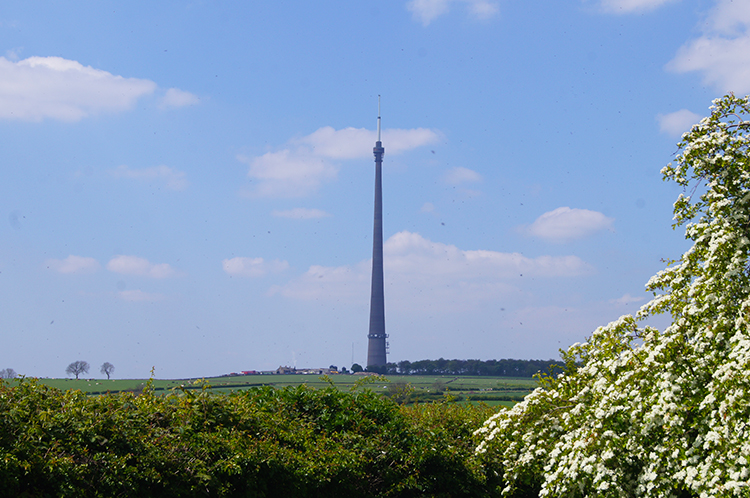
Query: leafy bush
{"x":256,"y":443}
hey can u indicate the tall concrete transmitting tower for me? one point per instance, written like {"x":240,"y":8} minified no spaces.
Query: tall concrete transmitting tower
{"x":377,"y":346}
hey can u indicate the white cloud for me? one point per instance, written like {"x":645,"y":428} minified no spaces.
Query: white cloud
{"x":421,"y":273}
{"x":426,"y":11}
{"x":138,"y":295}
{"x":678,"y":122}
{"x":173,"y":178}
{"x":482,"y":9}
{"x":632,"y":6}
{"x":564,"y":224}
{"x":730,"y":17}
{"x":252,"y":267}
{"x":459,"y":175}
{"x":722,"y":54}
{"x":175,"y":98}
{"x":345,"y":283}
{"x":396,"y":140}
{"x":407,"y":252}
{"x":133,"y":265}
{"x":353,"y":143}
{"x":40,"y":88}
{"x":288,"y":174}
{"x":74,"y":264}
{"x":301,"y":169}
{"x":301,"y":214}
{"x":348,"y":143}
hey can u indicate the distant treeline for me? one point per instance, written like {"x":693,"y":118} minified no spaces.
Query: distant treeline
{"x":491,"y":368}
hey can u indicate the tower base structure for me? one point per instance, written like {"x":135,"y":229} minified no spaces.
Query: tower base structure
{"x":376,"y":351}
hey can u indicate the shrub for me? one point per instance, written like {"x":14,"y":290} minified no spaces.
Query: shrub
{"x":261,"y":442}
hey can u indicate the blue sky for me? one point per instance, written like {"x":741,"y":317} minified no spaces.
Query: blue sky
{"x":188,"y":185}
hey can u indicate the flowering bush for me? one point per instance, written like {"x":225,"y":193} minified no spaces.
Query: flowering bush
{"x":642,"y":412}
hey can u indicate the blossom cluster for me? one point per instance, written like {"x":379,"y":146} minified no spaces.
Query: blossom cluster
{"x":643,"y":412}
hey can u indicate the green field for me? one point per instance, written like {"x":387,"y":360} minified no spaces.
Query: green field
{"x":404,"y":388}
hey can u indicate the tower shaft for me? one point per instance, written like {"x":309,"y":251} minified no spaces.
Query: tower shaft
{"x":376,"y":347}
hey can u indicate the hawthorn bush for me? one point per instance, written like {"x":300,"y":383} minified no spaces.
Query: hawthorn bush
{"x":649,"y":412}
{"x":296,"y":442}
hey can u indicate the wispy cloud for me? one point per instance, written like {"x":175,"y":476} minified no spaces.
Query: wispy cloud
{"x":288,"y":173}
{"x":419,"y":270}
{"x":565,"y":224}
{"x":13,"y":54}
{"x":175,"y":98}
{"x":459,"y":175}
{"x":301,"y":214}
{"x":722,"y":54}
{"x":73,"y":264}
{"x":353,"y":143}
{"x":133,"y":265}
{"x":677,"y":123}
{"x":345,"y":283}
{"x":408,"y":251}
{"x":138,"y":295}
{"x":632,"y":6}
{"x":173,"y":179}
{"x":252,"y":267}
{"x":301,"y":168}
{"x":626,"y":300}
{"x":426,"y":11}
{"x":41,"y":88}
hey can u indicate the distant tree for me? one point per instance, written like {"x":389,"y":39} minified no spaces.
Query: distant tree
{"x":495,"y":368}
{"x":400,"y":391}
{"x":107,"y":369}
{"x":8,"y":373}
{"x":357,"y":368}
{"x":404,"y":367}
{"x":77,"y":368}
{"x":379,"y":369}
{"x":333,"y":367}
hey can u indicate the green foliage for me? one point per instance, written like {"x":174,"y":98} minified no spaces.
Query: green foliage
{"x":400,"y":392}
{"x":378,"y":369}
{"x":260,"y":442}
{"x":648,"y":412}
{"x":491,"y":368}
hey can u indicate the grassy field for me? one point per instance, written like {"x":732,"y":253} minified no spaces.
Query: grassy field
{"x":404,"y":388}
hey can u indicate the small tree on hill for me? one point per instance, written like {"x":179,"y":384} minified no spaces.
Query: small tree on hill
{"x":8,"y":373}
{"x":107,"y":369}
{"x":77,"y":368}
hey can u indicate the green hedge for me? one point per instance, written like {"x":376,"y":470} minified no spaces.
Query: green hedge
{"x":297,"y":442}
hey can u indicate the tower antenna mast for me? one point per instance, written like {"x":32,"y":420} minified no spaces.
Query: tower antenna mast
{"x":378,"y":118}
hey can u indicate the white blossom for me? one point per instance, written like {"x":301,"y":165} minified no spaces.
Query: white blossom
{"x":643,"y":412}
